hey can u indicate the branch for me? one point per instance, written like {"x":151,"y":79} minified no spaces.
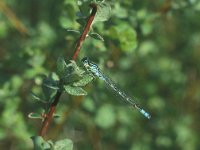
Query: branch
{"x":49,"y":115}
{"x":13,"y":18}
{"x":85,"y":31}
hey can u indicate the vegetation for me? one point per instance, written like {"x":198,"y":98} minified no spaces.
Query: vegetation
{"x":149,"y":48}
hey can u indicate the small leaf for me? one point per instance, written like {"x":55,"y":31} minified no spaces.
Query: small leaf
{"x":35,"y":116}
{"x":126,"y":36}
{"x":81,"y":21}
{"x":74,"y":31}
{"x":38,"y":142}
{"x":47,"y":145}
{"x":65,"y":144}
{"x":49,"y":87}
{"x":72,"y":68}
{"x":84,"y":7}
{"x":39,"y":116}
{"x":61,"y":66}
{"x":96,"y":36}
{"x":77,"y":69}
{"x":37,"y":98}
{"x":56,"y":116}
{"x":51,"y":144}
{"x":103,"y":12}
{"x":77,"y":91}
{"x":53,"y":87}
{"x":84,"y":81}
{"x":72,"y":73}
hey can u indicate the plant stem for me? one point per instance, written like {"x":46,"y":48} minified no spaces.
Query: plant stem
{"x":85,"y":31}
{"x":49,"y":116}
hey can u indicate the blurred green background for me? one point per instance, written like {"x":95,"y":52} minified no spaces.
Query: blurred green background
{"x":152,"y":51}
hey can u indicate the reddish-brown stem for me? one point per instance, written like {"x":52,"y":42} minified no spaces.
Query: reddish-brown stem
{"x":49,"y":116}
{"x":85,"y":31}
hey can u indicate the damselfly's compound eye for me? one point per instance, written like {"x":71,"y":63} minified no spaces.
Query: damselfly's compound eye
{"x":85,"y":61}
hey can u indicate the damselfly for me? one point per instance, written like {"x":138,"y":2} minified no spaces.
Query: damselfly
{"x":95,"y":70}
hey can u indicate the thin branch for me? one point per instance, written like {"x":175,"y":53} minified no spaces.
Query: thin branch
{"x":49,"y":115}
{"x":85,"y":31}
{"x":13,"y":18}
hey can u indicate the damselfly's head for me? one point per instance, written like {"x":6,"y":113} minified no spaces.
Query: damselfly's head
{"x":86,"y":62}
{"x":89,"y":65}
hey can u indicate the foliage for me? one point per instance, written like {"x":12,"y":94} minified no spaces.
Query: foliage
{"x":150,"y":48}
{"x":40,"y":144}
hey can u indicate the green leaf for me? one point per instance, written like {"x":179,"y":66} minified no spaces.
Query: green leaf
{"x":77,"y":91}
{"x":54,"y":87}
{"x":35,"y":116}
{"x":84,"y":81}
{"x":77,"y":69}
{"x":84,"y":7}
{"x":56,"y":116}
{"x":126,"y":36}
{"x":106,"y":116}
{"x":81,"y":21}
{"x":37,"y":98}
{"x":65,"y":144}
{"x":40,"y":144}
{"x":74,"y":31}
{"x":61,"y":67}
{"x":72,"y":68}
{"x":72,"y":73}
{"x":49,"y":87}
{"x":103,"y":12}
{"x":120,"y":11}
{"x":96,"y":36}
{"x":51,"y":144}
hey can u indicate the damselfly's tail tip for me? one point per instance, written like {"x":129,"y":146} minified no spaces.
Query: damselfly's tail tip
{"x":146,"y":114}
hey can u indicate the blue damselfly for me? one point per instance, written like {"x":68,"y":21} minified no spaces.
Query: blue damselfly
{"x":95,"y":71}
